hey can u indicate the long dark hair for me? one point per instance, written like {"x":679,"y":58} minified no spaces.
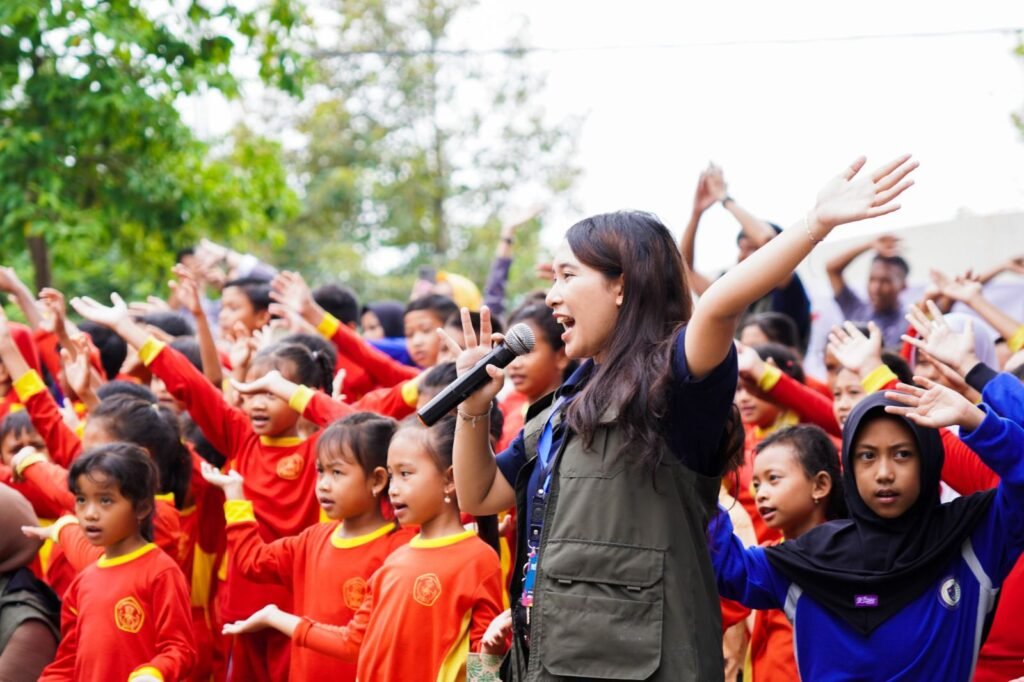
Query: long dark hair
{"x":635,"y":376}
{"x":156,"y":429}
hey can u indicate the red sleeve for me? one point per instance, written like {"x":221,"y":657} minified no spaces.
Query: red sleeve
{"x":167,"y":534}
{"x":49,"y":355}
{"x":333,"y":640}
{"x":175,"y":646}
{"x":224,"y":426}
{"x":357,"y":381}
{"x":811,"y":406}
{"x":384,"y":369}
{"x":962,"y":469}
{"x":51,"y":482}
{"x":261,"y":561}
{"x":61,"y":442}
{"x":487,"y":605}
{"x":732,"y":612}
{"x":42,"y":506}
{"x":390,"y":402}
{"x":77,"y":549}
{"x":322,"y":409}
{"x":63,"y":667}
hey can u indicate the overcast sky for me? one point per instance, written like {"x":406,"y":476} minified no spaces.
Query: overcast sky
{"x":778,"y":94}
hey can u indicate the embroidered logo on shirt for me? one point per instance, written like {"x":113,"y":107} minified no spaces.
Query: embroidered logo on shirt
{"x":427,"y":589}
{"x":354,"y":592}
{"x":128,"y":615}
{"x":865,"y":601}
{"x":290,"y":467}
{"x":949,"y":593}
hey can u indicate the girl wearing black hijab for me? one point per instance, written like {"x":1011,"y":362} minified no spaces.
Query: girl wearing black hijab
{"x":905,"y":588}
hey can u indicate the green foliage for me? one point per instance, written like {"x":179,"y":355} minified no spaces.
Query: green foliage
{"x":418,"y":149}
{"x":96,"y":166}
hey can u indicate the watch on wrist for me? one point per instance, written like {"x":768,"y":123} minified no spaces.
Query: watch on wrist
{"x":725,"y":199}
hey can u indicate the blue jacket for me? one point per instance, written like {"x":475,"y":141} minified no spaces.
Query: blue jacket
{"x":935,"y":637}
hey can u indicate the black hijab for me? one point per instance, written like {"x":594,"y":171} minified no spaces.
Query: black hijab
{"x":866,"y":568}
{"x":391,"y":315}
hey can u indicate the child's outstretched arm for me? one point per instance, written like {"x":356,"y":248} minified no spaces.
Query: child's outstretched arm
{"x":846,"y":198}
{"x":338,"y":641}
{"x":225,"y":427}
{"x":290,"y":290}
{"x":187,"y":290}
{"x":743,"y":573}
{"x":968,"y":290}
{"x":252,"y":556}
{"x":315,"y":406}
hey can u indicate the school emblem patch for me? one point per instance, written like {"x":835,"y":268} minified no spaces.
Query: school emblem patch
{"x":128,"y":615}
{"x":949,"y":593}
{"x":290,"y":467}
{"x":427,"y":589}
{"x":354,"y":592}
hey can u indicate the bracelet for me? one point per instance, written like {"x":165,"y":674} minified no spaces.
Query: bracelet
{"x":471,"y":418}
{"x":507,"y":240}
{"x":807,"y":227}
{"x":725,"y":199}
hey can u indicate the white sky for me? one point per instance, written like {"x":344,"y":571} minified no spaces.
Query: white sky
{"x":781,"y":118}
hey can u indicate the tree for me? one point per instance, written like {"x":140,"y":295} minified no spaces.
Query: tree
{"x":418,"y":148}
{"x":99,"y":178}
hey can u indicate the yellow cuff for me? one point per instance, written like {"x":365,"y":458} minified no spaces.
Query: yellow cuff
{"x":59,"y":525}
{"x":145,"y":670}
{"x":877,"y":378}
{"x":1016,"y":342}
{"x":28,"y":385}
{"x":150,"y":350}
{"x":411,"y":392}
{"x":300,"y":399}
{"x":238,"y":511}
{"x":771,"y":376}
{"x":29,"y":460}
{"x":328,"y":326}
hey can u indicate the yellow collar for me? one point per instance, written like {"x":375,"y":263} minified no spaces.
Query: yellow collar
{"x":787,"y":418}
{"x":421,"y":542}
{"x":348,"y":543}
{"x":104,"y":562}
{"x":285,"y":442}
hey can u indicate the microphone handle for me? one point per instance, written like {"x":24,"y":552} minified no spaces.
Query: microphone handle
{"x":460,"y":389}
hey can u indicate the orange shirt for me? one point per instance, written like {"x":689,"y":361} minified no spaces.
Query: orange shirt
{"x":771,"y":645}
{"x":425,"y":609}
{"x":326,"y":573}
{"x":123,"y":617}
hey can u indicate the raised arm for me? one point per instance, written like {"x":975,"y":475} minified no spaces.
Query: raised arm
{"x":849,"y":197}
{"x":12,"y":284}
{"x":968,"y":290}
{"x":703,"y":199}
{"x":187,"y":290}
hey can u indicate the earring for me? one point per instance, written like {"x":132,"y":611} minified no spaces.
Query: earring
{"x":816,"y":500}
{"x":447,"y":498}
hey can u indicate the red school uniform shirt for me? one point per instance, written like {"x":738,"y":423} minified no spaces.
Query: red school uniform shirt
{"x":326,"y":573}
{"x":279,"y":473}
{"x":425,"y":609}
{"x":125,"y":617}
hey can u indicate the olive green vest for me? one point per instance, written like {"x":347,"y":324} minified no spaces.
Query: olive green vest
{"x":624,"y":586}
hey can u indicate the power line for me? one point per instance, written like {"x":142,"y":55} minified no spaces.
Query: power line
{"x":520,"y":51}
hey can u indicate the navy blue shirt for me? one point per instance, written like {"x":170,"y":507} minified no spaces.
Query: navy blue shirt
{"x":697,"y":414}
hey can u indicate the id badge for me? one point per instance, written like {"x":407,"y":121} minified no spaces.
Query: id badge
{"x":529,"y":580}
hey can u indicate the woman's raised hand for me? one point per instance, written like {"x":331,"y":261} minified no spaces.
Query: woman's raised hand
{"x":475,"y":349}
{"x":848,"y":198}
{"x":934,"y":405}
{"x":94,"y":311}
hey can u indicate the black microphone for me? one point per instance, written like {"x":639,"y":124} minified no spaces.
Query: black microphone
{"x":518,"y":341}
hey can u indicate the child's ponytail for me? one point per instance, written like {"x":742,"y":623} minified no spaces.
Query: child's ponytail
{"x":300,"y":364}
{"x":155,"y":428}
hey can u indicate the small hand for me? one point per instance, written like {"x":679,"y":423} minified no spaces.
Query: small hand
{"x":38,"y":532}
{"x":751,"y":366}
{"x":703,"y":199}
{"x":257,"y":621}
{"x":715,"y":179}
{"x":848,"y":198}
{"x":338,"y":386}
{"x":109,"y":316}
{"x":887,"y":246}
{"x":272,"y":382}
{"x":231,"y":482}
{"x":9,"y":281}
{"x":495,"y":639}
{"x":856,"y":352}
{"x":934,"y":405}
{"x":54,"y":303}
{"x":291,"y":290}
{"x":186,"y":289}
{"x":75,"y":361}
{"x":480,"y":401}
{"x":940,"y":341}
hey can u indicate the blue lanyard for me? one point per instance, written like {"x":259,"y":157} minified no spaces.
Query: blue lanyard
{"x":546,"y":458}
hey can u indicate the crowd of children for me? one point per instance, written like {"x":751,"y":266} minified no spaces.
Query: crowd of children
{"x":231,"y":483}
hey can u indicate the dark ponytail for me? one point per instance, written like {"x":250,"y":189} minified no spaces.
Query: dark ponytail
{"x":154,"y":428}
{"x":299,"y":364}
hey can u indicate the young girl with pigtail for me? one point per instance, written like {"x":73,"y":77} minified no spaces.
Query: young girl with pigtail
{"x":326,"y":566}
{"x":428,"y":606}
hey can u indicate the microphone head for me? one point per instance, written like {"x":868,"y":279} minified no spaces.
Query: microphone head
{"x":520,"y":339}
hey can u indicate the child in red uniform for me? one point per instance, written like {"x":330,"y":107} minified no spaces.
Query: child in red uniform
{"x":430,"y":603}
{"x":797,"y":486}
{"x":261,"y":442}
{"x":126,"y":617}
{"x":337,"y":558}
